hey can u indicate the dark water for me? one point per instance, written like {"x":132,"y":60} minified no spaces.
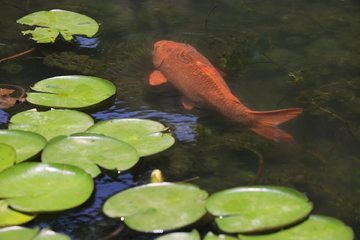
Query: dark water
{"x":257,"y":43}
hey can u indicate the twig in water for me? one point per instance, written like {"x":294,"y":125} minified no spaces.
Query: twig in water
{"x":336,"y":142}
{"x":17,"y":55}
{"x":190,"y":179}
{"x":208,"y":17}
{"x":116,"y":232}
{"x":261,"y":164}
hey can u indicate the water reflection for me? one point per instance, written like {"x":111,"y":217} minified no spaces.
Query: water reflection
{"x":84,"y":42}
{"x":182,"y":126}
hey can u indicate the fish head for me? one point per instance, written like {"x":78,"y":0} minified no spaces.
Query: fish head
{"x":162,"y":50}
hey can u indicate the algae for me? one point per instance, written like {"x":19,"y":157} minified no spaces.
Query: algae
{"x":74,"y":62}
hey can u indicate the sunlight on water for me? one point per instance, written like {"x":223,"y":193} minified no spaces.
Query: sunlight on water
{"x":257,"y":44}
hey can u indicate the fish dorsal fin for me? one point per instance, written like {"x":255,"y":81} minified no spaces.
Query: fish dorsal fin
{"x":213,"y":74}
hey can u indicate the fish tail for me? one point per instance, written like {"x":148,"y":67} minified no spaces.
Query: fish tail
{"x":266,"y":122}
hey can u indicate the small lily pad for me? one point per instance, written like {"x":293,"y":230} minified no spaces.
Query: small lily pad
{"x":314,"y":228}
{"x":10,"y":217}
{"x":51,"y":123}
{"x":193,"y":235}
{"x":158,"y":206}
{"x":145,"y":135}
{"x":41,"y":187}
{"x":257,"y":208}
{"x":85,"y":150}
{"x":7,"y":156}
{"x":71,"y":91}
{"x":212,"y":236}
{"x":26,"y":144}
{"x":54,"y":22}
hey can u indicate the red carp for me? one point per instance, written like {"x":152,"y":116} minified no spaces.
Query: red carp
{"x":201,"y":84}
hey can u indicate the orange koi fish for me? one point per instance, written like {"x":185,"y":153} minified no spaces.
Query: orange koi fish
{"x":194,"y":76}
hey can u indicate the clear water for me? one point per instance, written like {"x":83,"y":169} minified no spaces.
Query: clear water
{"x":318,"y":39}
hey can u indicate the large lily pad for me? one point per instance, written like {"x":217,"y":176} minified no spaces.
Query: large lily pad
{"x":158,"y":206}
{"x":54,"y":22}
{"x":26,"y":144}
{"x":145,"y":135}
{"x":193,"y":235}
{"x":7,"y":156}
{"x":10,"y":217}
{"x":71,"y":91}
{"x":251,"y":209}
{"x":41,"y":187}
{"x":51,"y":123}
{"x":15,"y":233}
{"x":315,"y":228}
{"x":85,"y":150}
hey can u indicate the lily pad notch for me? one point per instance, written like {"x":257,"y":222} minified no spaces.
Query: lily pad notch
{"x":57,"y":22}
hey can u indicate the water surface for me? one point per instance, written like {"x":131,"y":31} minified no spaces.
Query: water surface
{"x":257,"y":43}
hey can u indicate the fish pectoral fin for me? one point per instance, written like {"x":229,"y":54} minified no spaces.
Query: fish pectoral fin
{"x":221,"y":72}
{"x":188,"y":104}
{"x":157,"y":78}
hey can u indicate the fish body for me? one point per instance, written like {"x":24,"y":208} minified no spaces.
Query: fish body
{"x":201,"y":84}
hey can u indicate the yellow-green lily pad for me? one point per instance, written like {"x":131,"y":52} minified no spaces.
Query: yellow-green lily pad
{"x":87,"y":150}
{"x":315,"y":228}
{"x":147,"y":136}
{"x":71,"y":91}
{"x":40,"y":187}
{"x":26,"y":144}
{"x":193,"y":235}
{"x":54,"y":22}
{"x":257,"y":208}
{"x":17,"y":233}
{"x":11,"y":217}
{"x":158,"y":206}
{"x":51,"y":123}
{"x":7,"y":156}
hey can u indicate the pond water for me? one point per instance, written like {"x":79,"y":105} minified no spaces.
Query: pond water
{"x":257,"y":44}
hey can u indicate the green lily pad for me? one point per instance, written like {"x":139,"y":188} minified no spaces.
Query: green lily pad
{"x":257,"y":208}
{"x":7,"y":156}
{"x":158,"y":206}
{"x":85,"y":150}
{"x":71,"y":91}
{"x":48,"y":234}
{"x":212,"y":236}
{"x":26,"y":144}
{"x":41,"y":187}
{"x":10,"y":217}
{"x":16,"y":232}
{"x":145,"y":135}
{"x":314,"y":228}
{"x":54,"y":22}
{"x":51,"y":123}
{"x":193,"y":235}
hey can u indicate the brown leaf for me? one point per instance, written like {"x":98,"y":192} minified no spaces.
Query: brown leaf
{"x":5,"y":91}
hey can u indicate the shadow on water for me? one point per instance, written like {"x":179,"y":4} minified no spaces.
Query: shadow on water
{"x":318,"y":41}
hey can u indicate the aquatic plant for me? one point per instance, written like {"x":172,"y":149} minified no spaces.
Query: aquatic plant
{"x":74,"y":62}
